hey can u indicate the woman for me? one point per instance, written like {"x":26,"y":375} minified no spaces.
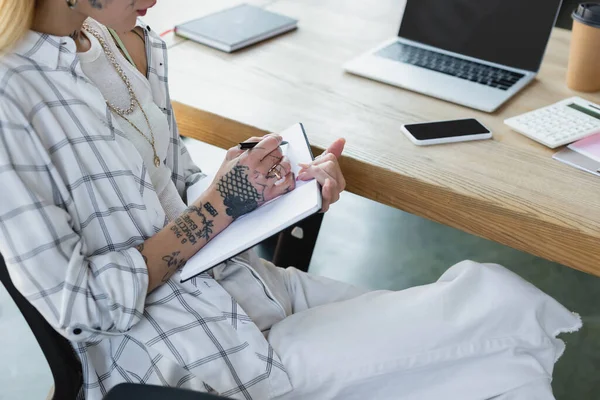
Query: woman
{"x":94,"y":230}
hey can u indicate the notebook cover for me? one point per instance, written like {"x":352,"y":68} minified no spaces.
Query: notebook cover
{"x":236,"y":25}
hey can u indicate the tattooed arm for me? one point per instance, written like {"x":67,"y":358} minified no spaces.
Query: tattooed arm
{"x":168,"y":250}
{"x":244,"y":182}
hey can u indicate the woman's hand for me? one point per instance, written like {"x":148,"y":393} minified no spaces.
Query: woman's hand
{"x":249,"y":178}
{"x":326,"y":170}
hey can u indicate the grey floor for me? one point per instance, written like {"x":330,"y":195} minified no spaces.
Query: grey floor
{"x":366,"y":243}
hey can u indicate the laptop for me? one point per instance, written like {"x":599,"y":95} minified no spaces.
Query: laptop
{"x":477,"y":53}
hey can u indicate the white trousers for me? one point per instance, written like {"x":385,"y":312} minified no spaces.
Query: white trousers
{"x":480,"y":332}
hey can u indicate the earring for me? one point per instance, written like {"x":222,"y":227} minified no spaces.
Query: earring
{"x":71,"y":3}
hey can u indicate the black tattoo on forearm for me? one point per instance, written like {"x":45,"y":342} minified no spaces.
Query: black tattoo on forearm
{"x":174,"y":262}
{"x":204,"y":230}
{"x":140,"y":248}
{"x":178,"y":233}
{"x":211,"y":210}
{"x":187,"y":230}
{"x":239,"y":195}
{"x":185,"y":227}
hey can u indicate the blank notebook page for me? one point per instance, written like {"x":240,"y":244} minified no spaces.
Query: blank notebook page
{"x":264,"y":222}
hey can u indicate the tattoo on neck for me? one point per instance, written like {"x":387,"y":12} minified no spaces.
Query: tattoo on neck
{"x":97,"y":4}
{"x":211,"y":210}
{"x":239,"y":195}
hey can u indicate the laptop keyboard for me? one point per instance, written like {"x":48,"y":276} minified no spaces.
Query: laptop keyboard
{"x":472,"y":71}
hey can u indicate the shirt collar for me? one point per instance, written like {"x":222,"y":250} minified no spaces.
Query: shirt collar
{"x":44,"y":49}
{"x":47,"y":49}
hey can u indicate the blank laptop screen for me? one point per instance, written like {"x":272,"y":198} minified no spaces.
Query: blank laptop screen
{"x":508,"y":32}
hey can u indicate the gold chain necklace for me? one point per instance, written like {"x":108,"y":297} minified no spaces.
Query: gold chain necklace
{"x":133,"y":98}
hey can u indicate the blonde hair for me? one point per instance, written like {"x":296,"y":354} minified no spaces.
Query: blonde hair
{"x":16,"y":17}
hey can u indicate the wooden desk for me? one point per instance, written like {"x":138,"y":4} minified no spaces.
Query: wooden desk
{"x":508,"y":189}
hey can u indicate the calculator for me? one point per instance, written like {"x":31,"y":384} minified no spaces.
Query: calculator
{"x":559,"y":124}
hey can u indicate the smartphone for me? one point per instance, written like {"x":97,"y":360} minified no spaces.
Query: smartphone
{"x":460,"y":130}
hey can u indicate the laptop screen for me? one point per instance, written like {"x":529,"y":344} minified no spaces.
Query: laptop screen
{"x":508,"y":32}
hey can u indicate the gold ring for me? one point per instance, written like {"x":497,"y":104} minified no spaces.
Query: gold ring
{"x":275,"y":171}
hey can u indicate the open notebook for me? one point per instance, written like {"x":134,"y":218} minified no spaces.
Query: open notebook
{"x":267,"y":220}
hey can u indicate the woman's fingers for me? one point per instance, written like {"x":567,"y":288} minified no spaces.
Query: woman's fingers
{"x":330,"y":194}
{"x":264,"y":148}
{"x":332,"y":153}
{"x":325,"y":156}
{"x":285,"y":185}
{"x":330,"y":163}
{"x":320,"y":172}
{"x":255,"y":139}
{"x":235,"y":151}
{"x":280,"y":170}
{"x":314,"y":172}
{"x":271,"y":160}
{"x":336,"y":148}
{"x":265,"y":155}
{"x":330,"y":186}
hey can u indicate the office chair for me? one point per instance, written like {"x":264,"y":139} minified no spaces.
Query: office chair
{"x":130,"y":391}
{"x":295,"y":247}
{"x":62,"y":360}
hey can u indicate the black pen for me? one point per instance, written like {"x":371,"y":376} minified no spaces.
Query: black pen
{"x":251,"y":145}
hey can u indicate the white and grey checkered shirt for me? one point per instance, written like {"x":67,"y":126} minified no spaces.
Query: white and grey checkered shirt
{"x":76,"y":198}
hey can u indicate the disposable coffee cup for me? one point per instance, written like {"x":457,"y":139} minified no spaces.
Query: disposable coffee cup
{"x":583,"y":74}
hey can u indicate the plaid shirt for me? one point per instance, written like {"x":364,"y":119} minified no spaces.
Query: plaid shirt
{"x":76,"y":200}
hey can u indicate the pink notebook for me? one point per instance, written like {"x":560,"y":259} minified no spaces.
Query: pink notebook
{"x":589,"y":147}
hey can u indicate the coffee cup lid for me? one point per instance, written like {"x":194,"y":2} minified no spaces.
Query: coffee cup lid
{"x":588,"y":13}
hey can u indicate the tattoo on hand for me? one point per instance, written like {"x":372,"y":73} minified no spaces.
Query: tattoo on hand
{"x":239,"y":195}
{"x":140,"y":248}
{"x":211,"y":210}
